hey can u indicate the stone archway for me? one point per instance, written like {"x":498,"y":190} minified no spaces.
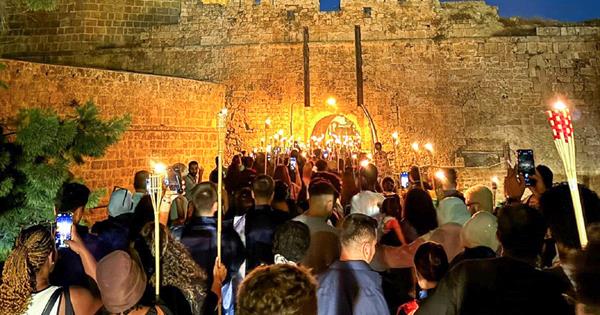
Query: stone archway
{"x":332,"y":127}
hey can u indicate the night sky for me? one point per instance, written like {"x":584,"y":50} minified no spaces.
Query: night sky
{"x":563,"y":10}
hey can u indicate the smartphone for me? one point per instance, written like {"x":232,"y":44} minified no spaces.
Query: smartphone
{"x":173,"y":180}
{"x":293,"y":163}
{"x":64,"y":222}
{"x":404,"y":180}
{"x":325,"y":155}
{"x":526,"y":165}
{"x":269,"y":157}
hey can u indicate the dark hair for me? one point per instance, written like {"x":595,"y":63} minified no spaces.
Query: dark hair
{"x":391,"y":207}
{"x":281,"y":191}
{"x":368,"y":177}
{"x":321,"y":166}
{"x":378,"y":144}
{"x":419,"y":211}
{"x":320,"y":188}
{"x":192,"y":163}
{"x":247,"y":161}
{"x":521,"y":231}
{"x":281,"y":173}
{"x":263,"y":186}
{"x":431,"y":261}
{"x":357,"y":226}
{"x":291,"y":240}
{"x":139,"y":180}
{"x":242,"y":201}
{"x":557,"y":207}
{"x":451,"y":175}
{"x":388,"y":181}
{"x":277,"y":289}
{"x":331,"y":178}
{"x":414,"y":173}
{"x":73,"y":196}
{"x":587,"y":274}
{"x":204,"y":196}
{"x":546,"y":174}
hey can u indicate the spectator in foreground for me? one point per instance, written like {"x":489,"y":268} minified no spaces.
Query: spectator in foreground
{"x":25,"y":287}
{"x":278,"y":289}
{"x":368,"y":200}
{"x":324,"y":246}
{"x":140,"y":186}
{"x":431,"y":265}
{"x":291,"y":242}
{"x":392,"y":232}
{"x":350,"y":286}
{"x":510,"y":284}
{"x":478,"y":238}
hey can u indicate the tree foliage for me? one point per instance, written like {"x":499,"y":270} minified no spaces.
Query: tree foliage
{"x":40,"y":5}
{"x":35,"y":161}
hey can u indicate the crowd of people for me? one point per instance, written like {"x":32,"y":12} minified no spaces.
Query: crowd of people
{"x":304,"y":238}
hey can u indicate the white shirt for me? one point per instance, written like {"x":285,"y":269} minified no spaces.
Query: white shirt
{"x":39,"y":301}
{"x":366,"y":202}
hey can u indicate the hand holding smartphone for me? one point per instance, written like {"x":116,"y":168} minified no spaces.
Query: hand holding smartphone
{"x":404,"y":180}
{"x":64,"y":223}
{"x":526,"y":166}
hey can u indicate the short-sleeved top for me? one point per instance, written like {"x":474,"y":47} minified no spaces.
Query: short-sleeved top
{"x":39,"y":301}
{"x":366,"y":202}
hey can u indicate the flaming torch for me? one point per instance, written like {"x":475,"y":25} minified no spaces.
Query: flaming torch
{"x":222,"y":116}
{"x":564,"y":140}
{"x":155,"y":190}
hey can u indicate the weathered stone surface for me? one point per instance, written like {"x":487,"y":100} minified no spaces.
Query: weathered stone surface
{"x":433,"y":71}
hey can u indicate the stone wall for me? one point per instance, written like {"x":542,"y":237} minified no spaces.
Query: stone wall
{"x":448,"y":73}
{"x":173,"y":119}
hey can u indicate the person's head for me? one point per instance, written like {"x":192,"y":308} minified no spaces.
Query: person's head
{"x":34,"y":254}
{"x":73,"y":198}
{"x":281,"y":192}
{"x":291,"y":242}
{"x":281,"y":173}
{"x":358,"y":237}
{"x":331,"y":178}
{"x":419,"y":211}
{"x":479,"y":198}
{"x":216,"y":161}
{"x":451,"y":179}
{"x":368,"y":177}
{"x":546,"y":174}
{"x":248,"y":162}
{"x":263,"y":188}
{"x":120,"y":202}
{"x":480,"y":230}
{"x":139,"y":181}
{"x":431,"y":264}
{"x":121,"y":282}
{"x":388,"y":185}
{"x":204,"y":198}
{"x":414,"y":175}
{"x":317,"y":154}
{"x":452,"y":210}
{"x":321,"y":165}
{"x":391,"y":207}
{"x":193,"y":168}
{"x":321,"y":198}
{"x":521,"y":231}
{"x":587,"y":278}
{"x":178,"y":267}
{"x":377,"y":146}
{"x":557,"y":207}
{"x":282,"y":289}
{"x":243,"y":200}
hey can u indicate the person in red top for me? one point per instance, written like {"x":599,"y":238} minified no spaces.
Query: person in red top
{"x":392,"y":232}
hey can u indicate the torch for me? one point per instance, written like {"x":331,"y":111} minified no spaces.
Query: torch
{"x":155,"y":190}
{"x":396,"y":158}
{"x":222,"y":116}
{"x":429,"y":148}
{"x":415,"y":147}
{"x":267,"y":125}
{"x":564,"y":140}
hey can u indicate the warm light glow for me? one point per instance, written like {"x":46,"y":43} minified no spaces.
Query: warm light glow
{"x":280,"y":132}
{"x":224,"y":111}
{"x":395,"y":135}
{"x":354,"y":156}
{"x":428,"y":146}
{"x":495,"y":180}
{"x":364,"y":163}
{"x":415,"y":146}
{"x":559,"y":105}
{"x":159,"y":168}
{"x":268,"y":121}
{"x":331,"y":101}
{"x":269,"y":148}
{"x":370,"y":156}
{"x":303,"y":154}
{"x":440,"y":175}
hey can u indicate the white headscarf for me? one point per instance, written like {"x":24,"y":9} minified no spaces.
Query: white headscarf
{"x":452,"y":210}
{"x":480,"y":230}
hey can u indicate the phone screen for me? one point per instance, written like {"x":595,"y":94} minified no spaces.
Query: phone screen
{"x":404,"y":180}
{"x":64,"y":221}
{"x":526,"y":165}
{"x":173,"y":180}
{"x":293,"y":163}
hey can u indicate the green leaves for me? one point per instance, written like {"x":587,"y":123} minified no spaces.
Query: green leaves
{"x":40,"y":5}
{"x":34,"y":164}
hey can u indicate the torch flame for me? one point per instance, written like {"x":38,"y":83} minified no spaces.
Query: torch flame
{"x":415,"y":146}
{"x":268,"y":121}
{"x":440,"y":175}
{"x":159,"y":168}
{"x":429,"y":147}
{"x":560,"y":105}
{"x":364,"y":163}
